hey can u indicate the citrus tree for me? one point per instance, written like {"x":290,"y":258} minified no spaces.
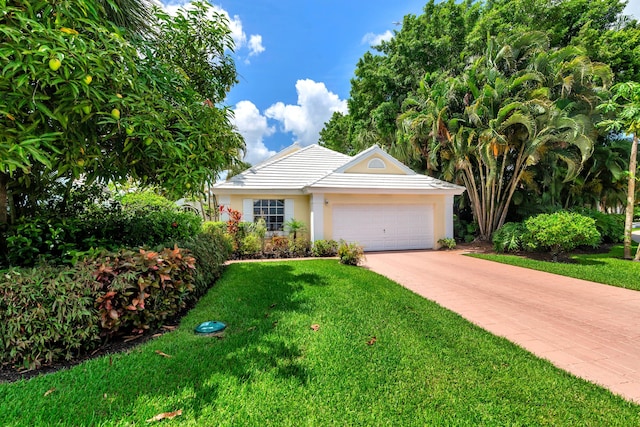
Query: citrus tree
{"x":79,"y":98}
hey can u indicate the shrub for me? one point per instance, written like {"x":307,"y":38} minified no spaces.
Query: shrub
{"x":299,"y":247}
{"x":350,"y":253}
{"x":509,"y":237}
{"x":213,"y":226}
{"x":447,"y":242}
{"x":250,"y":246}
{"x":146,"y":200}
{"x":610,"y":226}
{"x":47,"y":314}
{"x":139,"y":290}
{"x":324,"y":248}
{"x":465,"y":230}
{"x":154,"y":227}
{"x":45,"y":238}
{"x":210,"y":250}
{"x":277,"y":247}
{"x":562,"y":231}
{"x":144,"y":219}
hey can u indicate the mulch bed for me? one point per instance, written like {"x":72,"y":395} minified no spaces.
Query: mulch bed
{"x":8,"y":374}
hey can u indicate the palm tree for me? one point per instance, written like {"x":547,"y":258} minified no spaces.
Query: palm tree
{"x":508,"y":110}
{"x":625,"y":103}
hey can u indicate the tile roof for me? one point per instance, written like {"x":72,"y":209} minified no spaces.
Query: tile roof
{"x":315,"y":168}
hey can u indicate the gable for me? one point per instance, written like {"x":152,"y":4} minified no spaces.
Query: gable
{"x":375,"y":163}
{"x":374,"y":160}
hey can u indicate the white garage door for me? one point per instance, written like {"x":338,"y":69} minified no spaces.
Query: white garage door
{"x":384,"y":227}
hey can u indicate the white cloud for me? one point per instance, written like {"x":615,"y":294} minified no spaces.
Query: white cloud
{"x":375,"y":39}
{"x":316,"y":104}
{"x":238,"y":34}
{"x":255,"y":45}
{"x":633,"y":8}
{"x":254,"y":128}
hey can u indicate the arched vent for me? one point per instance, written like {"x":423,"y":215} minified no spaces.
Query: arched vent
{"x":376,"y":164}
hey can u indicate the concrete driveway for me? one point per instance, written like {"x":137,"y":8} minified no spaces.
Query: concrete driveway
{"x":588,"y":329}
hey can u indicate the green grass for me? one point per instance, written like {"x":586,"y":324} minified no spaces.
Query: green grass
{"x":427,"y":366}
{"x":608,"y":268}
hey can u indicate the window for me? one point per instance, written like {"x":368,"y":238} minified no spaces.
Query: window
{"x":272,"y":211}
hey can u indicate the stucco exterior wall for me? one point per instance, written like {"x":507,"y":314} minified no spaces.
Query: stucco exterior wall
{"x":301,"y":208}
{"x":437,"y":201}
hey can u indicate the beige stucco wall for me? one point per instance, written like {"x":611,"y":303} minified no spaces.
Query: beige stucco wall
{"x":362,"y":167}
{"x":301,"y":208}
{"x":437,"y":201}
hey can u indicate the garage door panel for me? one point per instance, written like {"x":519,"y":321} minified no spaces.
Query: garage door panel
{"x":385,"y":227}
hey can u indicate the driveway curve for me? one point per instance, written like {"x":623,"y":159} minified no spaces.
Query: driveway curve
{"x":588,"y":329}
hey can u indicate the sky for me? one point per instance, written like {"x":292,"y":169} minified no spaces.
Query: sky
{"x":295,"y":60}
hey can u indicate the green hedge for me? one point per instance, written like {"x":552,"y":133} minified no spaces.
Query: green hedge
{"x":47,"y":314}
{"x":56,"y":312}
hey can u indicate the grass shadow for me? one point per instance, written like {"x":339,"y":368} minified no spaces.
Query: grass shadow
{"x":252,"y":299}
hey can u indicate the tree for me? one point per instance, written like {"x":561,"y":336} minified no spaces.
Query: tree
{"x":133,"y":15}
{"x":503,"y":114}
{"x":625,"y":106}
{"x":78,"y":99}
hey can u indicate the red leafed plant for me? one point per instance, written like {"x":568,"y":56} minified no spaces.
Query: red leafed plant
{"x":233,"y":224}
{"x":139,"y":290}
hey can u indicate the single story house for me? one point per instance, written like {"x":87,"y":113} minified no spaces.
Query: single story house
{"x":370,"y":198}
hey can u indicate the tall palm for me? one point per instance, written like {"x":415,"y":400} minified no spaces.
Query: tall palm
{"x":502,"y":116}
{"x":625,"y":106}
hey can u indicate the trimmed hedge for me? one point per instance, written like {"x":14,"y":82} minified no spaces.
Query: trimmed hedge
{"x":57,"y":312}
{"x":47,"y":314}
{"x":211,"y":250}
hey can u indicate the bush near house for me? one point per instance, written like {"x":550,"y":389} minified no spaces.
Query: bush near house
{"x":324,"y":248}
{"x":610,"y":226}
{"x":88,"y":286}
{"x":350,"y":253}
{"x":447,"y":243}
{"x":561,"y":231}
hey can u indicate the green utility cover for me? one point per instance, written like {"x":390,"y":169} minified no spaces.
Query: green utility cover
{"x":210,"y":327}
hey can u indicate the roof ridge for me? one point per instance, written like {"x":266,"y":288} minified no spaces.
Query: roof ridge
{"x":271,"y":160}
{"x":330,"y":171}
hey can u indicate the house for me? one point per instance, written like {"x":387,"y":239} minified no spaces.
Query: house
{"x":370,"y":198}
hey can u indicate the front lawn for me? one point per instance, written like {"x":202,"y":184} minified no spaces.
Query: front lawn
{"x":377,"y":354}
{"x":608,"y":268}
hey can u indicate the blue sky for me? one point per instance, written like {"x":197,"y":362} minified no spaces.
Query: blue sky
{"x":295,"y":60}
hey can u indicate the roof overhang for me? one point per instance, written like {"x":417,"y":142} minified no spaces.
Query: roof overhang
{"x":421,"y":191}
{"x":244,"y":190}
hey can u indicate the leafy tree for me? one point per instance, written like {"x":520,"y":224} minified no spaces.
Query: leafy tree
{"x":133,"y":15}
{"x":338,"y":134}
{"x":79,"y":100}
{"x":625,"y":105}
{"x":510,"y":108}
{"x":430,"y":42}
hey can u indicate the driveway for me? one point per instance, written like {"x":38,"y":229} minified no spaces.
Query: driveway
{"x":589,"y":329}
